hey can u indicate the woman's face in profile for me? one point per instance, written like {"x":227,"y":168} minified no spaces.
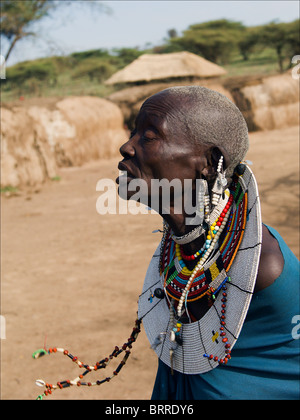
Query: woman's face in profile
{"x":157,"y":148}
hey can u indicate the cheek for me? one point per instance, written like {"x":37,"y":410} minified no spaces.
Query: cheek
{"x":177,"y":166}
{"x":151,"y":160}
{"x":161,"y":161}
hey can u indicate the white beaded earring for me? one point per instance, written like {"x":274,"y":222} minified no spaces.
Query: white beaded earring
{"x":206,"y":204}
{"x":220,"y":183}
{"x":203,"y":190}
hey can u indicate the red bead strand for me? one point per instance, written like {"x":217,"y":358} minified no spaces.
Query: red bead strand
{"x":49,"y":388}
{"x":222,"y":334}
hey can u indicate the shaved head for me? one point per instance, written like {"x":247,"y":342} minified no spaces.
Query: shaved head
{"x":208,"y":117}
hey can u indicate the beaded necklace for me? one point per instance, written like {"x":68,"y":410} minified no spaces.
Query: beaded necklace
{"x":196,"y":343}
{"x":183,"y":286}
{"x":180,"y":282}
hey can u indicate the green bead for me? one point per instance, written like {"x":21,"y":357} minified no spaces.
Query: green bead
{"x":38,"y":353}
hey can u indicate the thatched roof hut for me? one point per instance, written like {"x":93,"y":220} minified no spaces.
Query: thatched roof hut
{"x":150,"y":67}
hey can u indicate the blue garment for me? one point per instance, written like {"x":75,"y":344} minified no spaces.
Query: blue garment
{"x":265,"y":363}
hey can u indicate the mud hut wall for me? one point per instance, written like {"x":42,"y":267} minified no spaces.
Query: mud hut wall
{"x":36,"y":141}
{"x":271,"y":104}
{"x":26,"y":157}
{"x":99,"y":127}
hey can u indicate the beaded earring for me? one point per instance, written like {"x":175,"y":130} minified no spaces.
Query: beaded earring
{"x":206,"y":204}
{"x":203,"y":190}
{"x":220,"y":183}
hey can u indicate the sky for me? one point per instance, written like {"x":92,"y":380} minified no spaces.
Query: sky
{"x":136,"y":23}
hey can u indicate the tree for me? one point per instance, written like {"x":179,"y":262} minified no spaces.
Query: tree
{"x":17,"y":17}
{"x":214,"y":40}
{"x":94,"y":69}
{"x":293,"y":39}
{"x":126,"y":55}
{"x":248,"y":41}
{"x":283,"y":37}
{"x":172,"y":33}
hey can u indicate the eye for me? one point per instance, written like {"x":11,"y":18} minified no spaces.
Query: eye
{"x":149,"y":135}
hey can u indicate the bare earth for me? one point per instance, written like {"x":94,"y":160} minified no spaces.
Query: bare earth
{"x":71,"y":277}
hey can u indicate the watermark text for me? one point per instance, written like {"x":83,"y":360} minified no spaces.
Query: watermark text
{"x":135,"y":196}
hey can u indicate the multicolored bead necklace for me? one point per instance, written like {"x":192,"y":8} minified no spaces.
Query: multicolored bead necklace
{"x":178,"y":278}
{"x":183,"y":286}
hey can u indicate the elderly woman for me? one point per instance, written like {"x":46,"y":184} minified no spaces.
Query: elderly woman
{"x":221,"y":289}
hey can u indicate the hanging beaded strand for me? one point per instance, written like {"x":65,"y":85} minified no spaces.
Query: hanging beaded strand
{"x":216,"y":220}
{"x":204,"y":258}
{"x":163,"y":243}
{"x":215,"y":232}
{"x":222,"y":214}
{"x":236,"y":234}
{"x":227,"y":345}
{"x":102,"y":364}
{"x":231,"y":209}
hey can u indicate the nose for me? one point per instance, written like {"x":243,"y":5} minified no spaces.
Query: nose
{"x":127,"y":150}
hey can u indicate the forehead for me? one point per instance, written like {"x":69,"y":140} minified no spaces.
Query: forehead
{"x":158,"y":110}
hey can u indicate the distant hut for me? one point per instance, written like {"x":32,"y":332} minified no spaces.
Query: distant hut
{"x":154,"y":67}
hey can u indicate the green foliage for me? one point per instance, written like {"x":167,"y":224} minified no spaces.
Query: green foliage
{"x":241,"y":50}
{"x":248,"y":41}
{"x":18,"y":17}
{"x":219,"y":40}
{"x":83,"y":55}
{"x":98,"y":65}
{"x":8,"y":190}
{"x":126,"y":55}
{"x":94,"y":69}
{"x":215,"y":40}
{"x":56,"y":178}
{"x":171,"y":47}
{"x":42,"y":70}
{"x":293,"y":37}
{"x":30,"y":76}
{"x":282,"y":37}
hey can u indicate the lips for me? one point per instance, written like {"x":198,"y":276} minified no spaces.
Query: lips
{"x":124,"y":168}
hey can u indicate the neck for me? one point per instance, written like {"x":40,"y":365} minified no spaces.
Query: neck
{"x":179,"y":227}
{"x":177,"y":223}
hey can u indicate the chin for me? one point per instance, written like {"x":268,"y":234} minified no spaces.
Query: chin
{"x":124,"y":193}
{"x":136,"y":196}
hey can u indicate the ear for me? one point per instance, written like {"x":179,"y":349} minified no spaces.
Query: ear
{"x":213,"y":155}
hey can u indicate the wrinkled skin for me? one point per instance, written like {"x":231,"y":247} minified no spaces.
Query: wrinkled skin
{"x":159,"y":148}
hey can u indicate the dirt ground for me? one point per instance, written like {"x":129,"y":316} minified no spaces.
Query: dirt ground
{"x":71,"y":277}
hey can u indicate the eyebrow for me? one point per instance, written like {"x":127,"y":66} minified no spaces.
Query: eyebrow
{"x":149,"y":126}
{"x":152,"y":128}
